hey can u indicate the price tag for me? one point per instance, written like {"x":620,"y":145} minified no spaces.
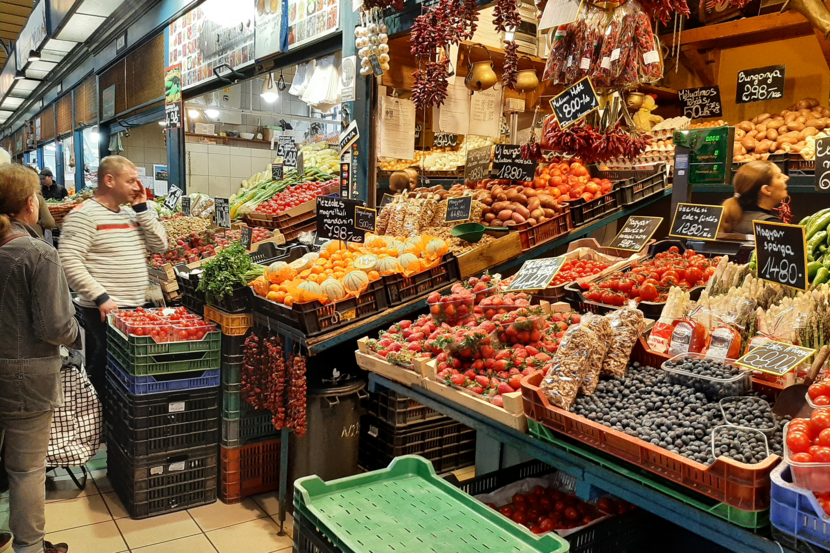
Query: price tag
{"x":375,"y":62}
{"x":823,"y":164}
{"x":700,"y":103}
{"x":336,"y":219}
{"x":284,"y":142}
{"x":782,"y":254}
{"x":387,"y":199}
{"x":509,"y":164}
{"x":636,"y":233}
{"x":176,"y":467}
{"x":775,"y":358}
{"x":575,"y":103}
{"x":222,"y":213}
{"x":365,"y":218}
{"x":761,"y":84}
{"x":458,"y":209}
{"x":173,"y":196}
{"x":277,"y":171}
{"x":186,"y":206}
{"x":536,"y":274}
{"x":477,"y":165}
{"x":696,"y":221}
{"x":246,"y":237}
{"x":289,"y":158}
{"x":444,"y":140}
{"x":176,"y":407}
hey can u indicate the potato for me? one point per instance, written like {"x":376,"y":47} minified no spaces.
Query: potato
{"x":817,"y":124}
{"x":496,"y":223}
{"x":796,"y":126}
{"x":531,"y":221}
{"x":485,"y":210}
{"x":739,"y":134}
{"x":758,"y":118}
{"x":510,"y":223}
{"x":523,"y":211}
{"x":549,"y":212}
{"x":825,"y":112}
{"x":501,"y":197}
{"x":752,"y":134}
{"x":779,"y":151}
{"x":530,"y":193}
{"x":547,"y":200}
{"x":809,"y":131}
{"x":488,"y":217}
{"x":763,"y":146}
{"x":790,"y":117}
{"x":774,"y":124}
{"x":536,"y":213}
{"x":498,"y":206}
{"x":786,"y":140}
{"x":505,"y":214}
{"x":748,"y":142}
{"x":802,"y":104}
{"x":761,"y":128}
{"x":511,"y":194}
{"x":804,"y":112}
{"x":801,"y":119}
{"x":487,"y":201}
{"x":746,"y":126}
{"x":534,"y":203}
{"x":541,"y":220}
{"x":521,"y":198}
{"x":797,"y":147}
{"x":772,"y":134}
{"x":518,"y":218}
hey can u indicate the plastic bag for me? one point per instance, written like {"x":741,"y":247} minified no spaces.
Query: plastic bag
{"x":626,"y":325}
{"x":601,"y":327}
{"x":569,"y":366}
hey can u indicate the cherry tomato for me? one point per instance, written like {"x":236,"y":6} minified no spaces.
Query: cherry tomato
{"x":798,"y":442}
{"x":817,"y":389}
{"x":802,"y":458}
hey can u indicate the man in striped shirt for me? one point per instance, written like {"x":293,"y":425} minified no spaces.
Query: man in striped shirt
{"x":103,"y":249}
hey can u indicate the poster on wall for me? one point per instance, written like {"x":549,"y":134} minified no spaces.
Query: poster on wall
{"x":160,"y":180}
{"x":173,"y":96}
{"x":216,"y":33}
{"x":268,"y":35}
{"x":309,"y":20}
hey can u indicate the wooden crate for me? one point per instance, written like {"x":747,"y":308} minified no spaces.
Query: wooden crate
{"x":489,"y":255}
{"x":367,"y":360}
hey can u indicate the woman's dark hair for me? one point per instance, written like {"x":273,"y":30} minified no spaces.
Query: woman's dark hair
{"x":747,"y":183}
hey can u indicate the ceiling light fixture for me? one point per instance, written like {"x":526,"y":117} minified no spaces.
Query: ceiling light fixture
{"x":34,"y":55}
{"x":163,"y":123}
{"x":193,"y":113}
{"x":212,"y":113}
{"x":19,"y":75}
{"x":269,"y":89}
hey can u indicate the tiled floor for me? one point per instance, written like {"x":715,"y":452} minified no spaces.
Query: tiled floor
{"x":94,"y":521}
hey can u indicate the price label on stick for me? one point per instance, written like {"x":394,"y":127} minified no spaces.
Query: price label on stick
{"x":696,"y":221}
{"x":536,"y":274}
{"x":336,"y":219}
{"x":365,"y":218}
{"x":186,"y":206}
{"x":575,"y":103}
{"x":775,"y":358}
{"x":173,"y":196}
{"x":509,"y":164}
{"x":246,"y":236}
{"x":222,"y":213}
{"x":477,"y":165}
{"x":782,"y":254}
{"x":823,"y":165}
{"x":761,"y":84}
{"x":444,"y":140}
{"x":700,"y":103}
{"x":636,"y":233}
{"x":289,"y":158}
{"x":458,"y":209}
{"x":277,"y":171}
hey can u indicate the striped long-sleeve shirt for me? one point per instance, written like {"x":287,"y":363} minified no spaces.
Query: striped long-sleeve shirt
{"x":104,"y":252}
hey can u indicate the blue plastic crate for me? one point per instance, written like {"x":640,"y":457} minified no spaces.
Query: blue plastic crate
{"x":141,"y":385}
{"x":795,"y":511}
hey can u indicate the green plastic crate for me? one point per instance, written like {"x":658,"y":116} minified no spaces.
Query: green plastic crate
{"x":406,"y":507}
{"x":231,"y":373}
{"x":137,"y":346}
{"x":751,"y":520}
{"x":143,"y":365}
{"x":233,"y":406}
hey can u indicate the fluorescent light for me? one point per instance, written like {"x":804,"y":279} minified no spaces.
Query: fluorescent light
{"x":269,"y":89}
{"x":212,"y":113}
{"x":80,"y":27}
{"x":19,"y":75}
{"x":163,"y":123}
{"x":34,"y":55}
{"x":193,"y":113}
{"x":94,"y":136}
{"x":49,"y":147}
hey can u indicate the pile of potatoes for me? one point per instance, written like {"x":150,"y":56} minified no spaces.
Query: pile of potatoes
{"x":510,"y":206}
{"x":779,"y":133}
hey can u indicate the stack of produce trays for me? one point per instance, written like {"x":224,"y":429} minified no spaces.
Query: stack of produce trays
{"x":162,"y":405}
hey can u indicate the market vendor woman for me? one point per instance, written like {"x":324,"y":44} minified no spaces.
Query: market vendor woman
{"x":760,"y":187}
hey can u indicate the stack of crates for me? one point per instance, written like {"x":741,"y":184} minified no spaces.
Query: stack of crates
{"x":397,"y":425}
{"x":162,"y":417}
{"x":249,"y":446}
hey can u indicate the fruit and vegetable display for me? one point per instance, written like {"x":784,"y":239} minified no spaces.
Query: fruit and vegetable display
{"x":780,"y":133}
{"x":573,"y":269}
{"x":254,"y":193}
{"x":229,"y":270}
{"x":294,"y":196}
{"x":181,"y":227}
{"x":199,"y":245}
{"x":162,"y":325}
{"x":808,"y":439}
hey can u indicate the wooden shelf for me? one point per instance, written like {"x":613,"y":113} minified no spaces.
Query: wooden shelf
{"x":663,"y":94}
{"x":225,"y":138}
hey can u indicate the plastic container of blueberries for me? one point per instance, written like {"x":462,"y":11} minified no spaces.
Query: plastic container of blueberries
{"x":715,"y":389}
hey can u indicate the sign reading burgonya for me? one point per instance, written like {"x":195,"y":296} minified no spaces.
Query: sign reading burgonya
{"x":216,"y":33}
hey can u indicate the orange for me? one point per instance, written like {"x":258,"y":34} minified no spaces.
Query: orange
{"x":316,"y":270}
{"x":274,"y":288}
{"x":374,"y":275}
{"x":288,"y":300}
{"x":271,"y":296}
{"x":279,"y":297}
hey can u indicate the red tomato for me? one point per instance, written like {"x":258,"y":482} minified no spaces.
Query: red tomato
{"x":648,"y":292}
{"x":819,"y":420}
{"x":802,"y":458}
{"x":519,"y":517}
{"x":822,"y":400}
{"x":547,"y":525}
{"x":817,"y":389}
{"x":798,"y":442}
{"x":507,"y":511}
{"x":823,"y":455}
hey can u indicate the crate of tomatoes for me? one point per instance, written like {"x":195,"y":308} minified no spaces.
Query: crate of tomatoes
{"x":579,"y":263}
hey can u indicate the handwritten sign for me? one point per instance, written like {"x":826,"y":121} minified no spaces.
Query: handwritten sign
{"x":246,"y":237}
{"x":696,"y":221}
{"x":700,"y":103}
{"x":761,"y":84}
{"x":823,"y":164}
{"x":444,"y":140}
{"x":458,"y":209}
{"x":636,"y":233}
{"x":336,"y":219}
{"x":575,"y":103}
{"x":284,"y":142}
{"x":289,"y":158}
{"x":186,"y":206}
{"x":776,"y":358}
{"x":277,"y":171}
{"x":477,"y":166}
{"x":173,"y":196}
{"x":387,"y":199}
{"x":222,"y":213}
{"x":536,"y":274}
{"x":365,"y":218}
{"x":509,"y":164}
{"x":376,"y":67}
{"x":782,"y":254}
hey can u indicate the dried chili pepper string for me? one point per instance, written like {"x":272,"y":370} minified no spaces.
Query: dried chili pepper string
{"x":583,"y":141}
{"x":511,"y":64}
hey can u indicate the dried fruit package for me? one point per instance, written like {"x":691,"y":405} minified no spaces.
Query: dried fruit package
{"x":590,"y":38}
{"x":569,"y":366}
{"x":558,"y":57}
{"x":601,"y":327}
{"x":649,"y":59}
{"x":626,"y":326}
{"x":383,"y":218}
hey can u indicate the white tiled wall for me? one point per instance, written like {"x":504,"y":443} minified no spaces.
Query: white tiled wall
{"x":219,"y":170}
{"x":145,"y":147}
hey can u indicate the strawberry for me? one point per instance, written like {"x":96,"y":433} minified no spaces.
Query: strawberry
{"x":515,"y":382}
{"x":498,"y":401}
{"x":477,"y":390}
{"x":434,"y":297}
{"x":483,"y":381}
{"x":505,"y":388}
{"x":459,"y":379}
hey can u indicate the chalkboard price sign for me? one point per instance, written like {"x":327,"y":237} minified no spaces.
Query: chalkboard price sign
{"x":636,"y":233}
{"x":444,"y":140}
{"x":776,"y":358}
{"x":172,"y":199}
{"x":284,"y":142}
{"x":509,"y":164}
{"x":222,"y":213}
{"x":823,"y":164}
{"x":575,"y":103}
{"x":289,"y":158}
{"x":477,"y":166}
{"x":536,"y":274}
{"x":387,"y":199}
{"x":761,"y":84}
{"x":336,"y":219}
{"x":696,"y":221}
{"x":700,"y":103}
{"x":277,"y":171}
{"x":365,"y":218}
{"x":245,"y":238}
{"x":458,"y":209}
{"x":186,"y":206}
{"x":782,"y":254}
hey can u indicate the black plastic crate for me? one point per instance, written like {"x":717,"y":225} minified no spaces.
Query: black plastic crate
{"x":233,"y":348}
{"x":449,"y":445}
{"x":584,"y":212}
{"x":159,"y":484}
{"x":398,"y":410}
{"x":800,"y":166}
{"x":307,"y":539}
{"x":193,"y":304}
{"x":250,"y":426}
{"x":400,"y":289}
{"x":781,"y":160}
{"x":269,"y":252}
{"x":237,"y":302}
{"x":313,"y":318}
{"x":492,"y":481}
{"x":634,"y":191}
{"x":162,"y":423}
